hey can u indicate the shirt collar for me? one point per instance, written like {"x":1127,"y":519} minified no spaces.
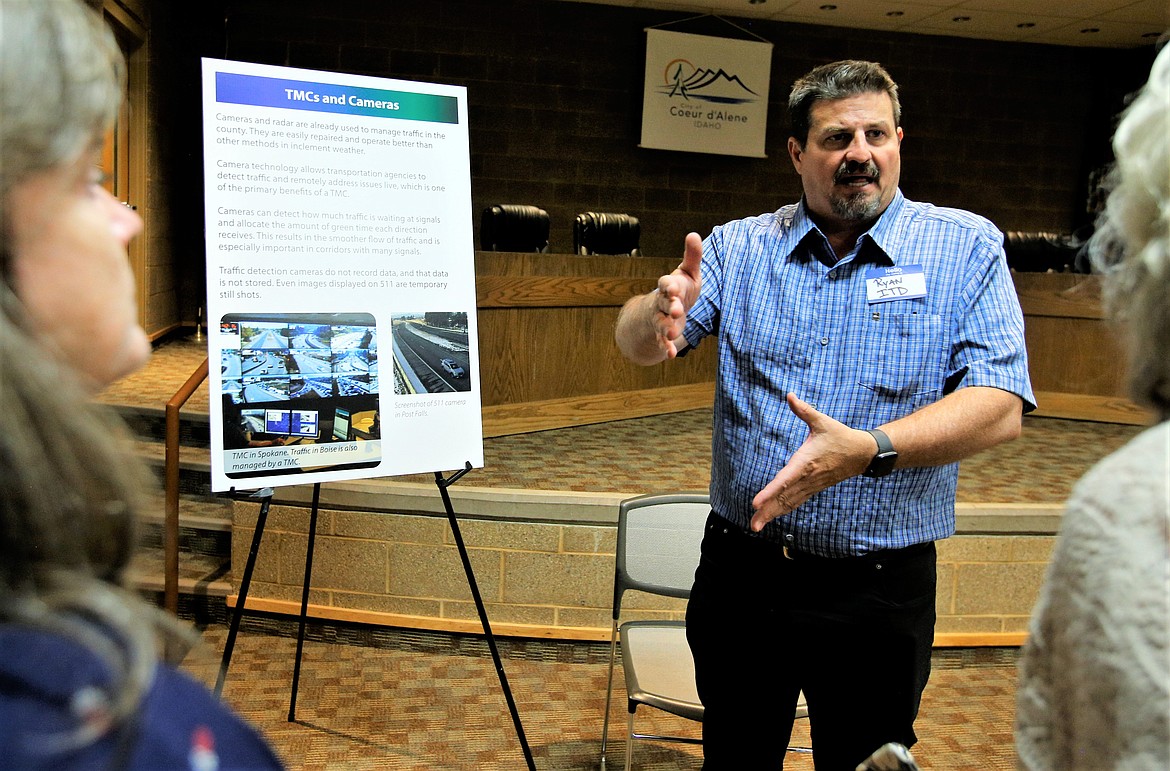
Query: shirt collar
{"x":796,"y":225}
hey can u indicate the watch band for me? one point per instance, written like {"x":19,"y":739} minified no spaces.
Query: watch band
{"x":885,"y":458}
{"x":883,"y":441}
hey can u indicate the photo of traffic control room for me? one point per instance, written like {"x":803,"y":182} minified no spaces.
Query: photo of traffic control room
{"x":306,"y":378}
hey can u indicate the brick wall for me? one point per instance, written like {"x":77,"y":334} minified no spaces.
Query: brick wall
{"x":555,"y":579}
{"x":555,"y":88}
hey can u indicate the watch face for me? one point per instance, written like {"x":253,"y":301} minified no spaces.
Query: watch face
{"x":882,"y":464}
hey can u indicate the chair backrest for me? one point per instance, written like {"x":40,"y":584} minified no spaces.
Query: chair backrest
{"x":658,"y":543}
{"x":514,"y":227}
{"x":1039,"y":252}
{"x":606,"y":233}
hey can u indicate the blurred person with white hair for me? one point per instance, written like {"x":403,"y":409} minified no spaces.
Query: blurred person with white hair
{"x":1094,"y":689}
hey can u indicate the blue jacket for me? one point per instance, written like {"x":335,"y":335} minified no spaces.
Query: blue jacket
{"x":46,"y":683}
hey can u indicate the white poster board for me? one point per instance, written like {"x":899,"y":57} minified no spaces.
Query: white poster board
{"x":705,"y":94}
{"x":342,"y":333}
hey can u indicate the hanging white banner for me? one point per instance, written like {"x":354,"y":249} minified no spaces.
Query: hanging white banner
{"x":705,"y":94}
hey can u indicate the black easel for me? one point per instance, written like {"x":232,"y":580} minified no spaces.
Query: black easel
{"x":443,"y":484}
{"x":292,"y":704}
{"x":266,"y":496}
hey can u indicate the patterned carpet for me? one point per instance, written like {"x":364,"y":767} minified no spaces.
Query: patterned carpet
{"x":624,"y":456}
{"x":376,"y":698}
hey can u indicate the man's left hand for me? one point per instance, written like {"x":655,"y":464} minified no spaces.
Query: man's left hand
{"x":831,"y":453}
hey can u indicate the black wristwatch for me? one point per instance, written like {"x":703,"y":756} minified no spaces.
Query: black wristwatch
{"x":886,"y":456}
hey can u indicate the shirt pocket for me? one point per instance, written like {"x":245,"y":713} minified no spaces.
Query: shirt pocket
{"x":901,"y":356}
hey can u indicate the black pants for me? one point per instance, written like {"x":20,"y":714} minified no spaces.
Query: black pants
{"x":854,"y":634}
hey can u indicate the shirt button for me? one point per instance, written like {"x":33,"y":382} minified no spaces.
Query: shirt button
{"x":824,"y":341}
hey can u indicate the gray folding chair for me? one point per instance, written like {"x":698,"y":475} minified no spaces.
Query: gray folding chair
{"x":658,"y":542}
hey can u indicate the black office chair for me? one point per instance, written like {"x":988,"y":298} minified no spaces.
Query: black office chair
{"x":606,"y":233}
{"x":1040,"y":252}
{"x":513,"y":227}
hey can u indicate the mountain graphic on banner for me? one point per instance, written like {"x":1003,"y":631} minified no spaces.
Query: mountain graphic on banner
{"x":710,"y":86}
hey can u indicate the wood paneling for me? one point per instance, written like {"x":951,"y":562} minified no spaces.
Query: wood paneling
{"x":547,"y":355}
{"x":1075,"y":353}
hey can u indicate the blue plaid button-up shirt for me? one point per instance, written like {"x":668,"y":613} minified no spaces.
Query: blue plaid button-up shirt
{"x":785,"y":321}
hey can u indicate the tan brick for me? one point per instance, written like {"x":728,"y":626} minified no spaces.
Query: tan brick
{"x":267,"y":556}
{"x":944,"y":600}
{"x":522,"y":536}
{"x":588,"y":539}
{"x":287,"y":519}
{"x":398,"y":528}
{"x":338,"y":563}
{"x":588,"y":618}
{"x":436,"y":572}
{"x":577,"y":580}
{"x":1033,"y":548}
{"x":998,"y":589}
{"x":974,"y":548}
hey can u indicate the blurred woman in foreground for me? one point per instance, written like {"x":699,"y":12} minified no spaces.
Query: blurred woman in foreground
{"x":81,"y":684}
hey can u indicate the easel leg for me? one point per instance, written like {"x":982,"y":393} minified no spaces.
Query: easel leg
{"x":292,"y":706}
{"x":245,"y":581}
{"x":491,"y":640}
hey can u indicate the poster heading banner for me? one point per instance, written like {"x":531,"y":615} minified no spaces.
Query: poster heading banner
{"x":233,"y":88}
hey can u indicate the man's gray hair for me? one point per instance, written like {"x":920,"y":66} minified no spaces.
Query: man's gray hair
{"x":838,"y":80}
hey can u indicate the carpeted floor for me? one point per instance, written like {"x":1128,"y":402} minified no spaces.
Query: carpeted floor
{"x":379,"y":698}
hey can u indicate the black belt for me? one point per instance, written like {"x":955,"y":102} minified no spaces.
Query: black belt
{"x":718,"y":524}
{"x":879,"y":556}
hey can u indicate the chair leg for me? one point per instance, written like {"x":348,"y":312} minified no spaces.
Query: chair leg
{"x":609,"y":691}
{"x":630,"y":739}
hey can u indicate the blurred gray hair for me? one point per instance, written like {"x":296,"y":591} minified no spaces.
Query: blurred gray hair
{"x":1131,"y":245}
{"x":69,"y":492}
{"x":61,"y":82}
{"x":838,"y":80}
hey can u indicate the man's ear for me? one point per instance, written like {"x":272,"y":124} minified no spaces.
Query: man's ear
{"x":795,"y":152}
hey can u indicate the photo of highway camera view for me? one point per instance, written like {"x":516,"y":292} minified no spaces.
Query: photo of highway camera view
{"x":295,"y":379}
{"x":430,"y":353}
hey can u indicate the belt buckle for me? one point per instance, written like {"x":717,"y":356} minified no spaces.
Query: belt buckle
{"x":788,"y":552}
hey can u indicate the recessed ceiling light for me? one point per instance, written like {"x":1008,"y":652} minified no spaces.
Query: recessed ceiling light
{"x":828,"y":7}
{"x":757,"y":2}
{"x":1026,"y":25}
{"x":961,"y":18}
{"x":1152,"y":34}
{"x":895,"y":13}
{"x":1089,"y":30}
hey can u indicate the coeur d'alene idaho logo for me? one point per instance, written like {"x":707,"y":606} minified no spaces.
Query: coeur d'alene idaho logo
{"x":683,"y":79}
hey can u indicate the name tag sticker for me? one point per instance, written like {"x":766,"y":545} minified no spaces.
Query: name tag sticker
{"x":900,"y":282}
